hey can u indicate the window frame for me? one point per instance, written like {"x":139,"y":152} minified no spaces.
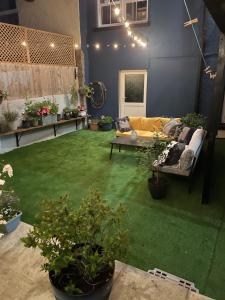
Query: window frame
{"x":123,"y":4}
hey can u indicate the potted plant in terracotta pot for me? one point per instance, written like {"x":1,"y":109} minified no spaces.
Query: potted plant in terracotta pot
{"x":148,"y":159}
{"x":3,"y":95}
{"x":11,"y":118}
{"x":79,"y":246}
{"x":10,"y":213}
{"x":93,"y":123}
{"x":105,"y":123}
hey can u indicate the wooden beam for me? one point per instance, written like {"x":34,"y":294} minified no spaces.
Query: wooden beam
{"x":214,"y":120}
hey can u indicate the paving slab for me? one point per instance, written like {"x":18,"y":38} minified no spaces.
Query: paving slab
{"x":22,"y":279}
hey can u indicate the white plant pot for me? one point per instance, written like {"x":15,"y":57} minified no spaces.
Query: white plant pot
{"x":12,"y":125}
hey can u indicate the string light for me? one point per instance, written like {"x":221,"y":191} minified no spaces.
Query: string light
{"x":127,"y":24}
{"x":24,"y":44}
{"x":76,"y":46}
{"x":52,"y":45}
{"x":115,"y":46}
{"x":97,"y":46}
{"x":133,"y":45}
{"x":129,"y":32}
{"x":135,"y":38}
{"x":117,"y":11}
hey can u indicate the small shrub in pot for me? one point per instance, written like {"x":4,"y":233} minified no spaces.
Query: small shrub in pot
{"x":106,"y":123}
{"x":79,"y":246}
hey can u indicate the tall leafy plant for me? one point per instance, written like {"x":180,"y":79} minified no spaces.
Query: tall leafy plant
{"x":80,"y":245}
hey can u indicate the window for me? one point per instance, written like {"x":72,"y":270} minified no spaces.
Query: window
{"x":134,"y":11}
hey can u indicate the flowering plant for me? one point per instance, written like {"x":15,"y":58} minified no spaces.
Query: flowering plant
{"x":39,"y":109}
{"x":9,"y":207}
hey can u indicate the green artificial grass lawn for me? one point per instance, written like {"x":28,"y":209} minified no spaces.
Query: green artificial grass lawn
{"x":176,"y":234}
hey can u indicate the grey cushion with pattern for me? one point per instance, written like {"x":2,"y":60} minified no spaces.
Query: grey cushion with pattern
{"x":123,"y":124}
{"x":186,"y":159}
{"x":170,"y":127}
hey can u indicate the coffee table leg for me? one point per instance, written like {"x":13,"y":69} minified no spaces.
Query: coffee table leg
{"x":110,"y":156}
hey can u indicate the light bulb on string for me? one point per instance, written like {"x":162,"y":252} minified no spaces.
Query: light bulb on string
{"x":117,"y":11}
{"x":97,"y":46}
{"x":133,"y":45}
{"x":52,"y":45}
{"x":129,"y":32}
{"x":135,"y":38}
{"x":24,"y":44}
{"x":76,"y":46}
{"x":127,"y":24}
{"x":115,"y":46}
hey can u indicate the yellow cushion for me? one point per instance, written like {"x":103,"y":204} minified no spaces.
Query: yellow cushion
{"x":135,"y":123}
{"x":144,"y":134}
{"x":153,"y":124}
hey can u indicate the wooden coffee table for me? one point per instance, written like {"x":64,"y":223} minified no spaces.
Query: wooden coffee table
{"x":122,"y":141}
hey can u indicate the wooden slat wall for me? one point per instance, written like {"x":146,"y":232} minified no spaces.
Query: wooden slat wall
{"x":26,"y":80}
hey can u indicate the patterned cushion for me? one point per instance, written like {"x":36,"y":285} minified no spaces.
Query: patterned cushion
{"x":123,"y":124}
{"x":186,"y":159}
{"x":175,"y":154}
{"x":170,"y":127}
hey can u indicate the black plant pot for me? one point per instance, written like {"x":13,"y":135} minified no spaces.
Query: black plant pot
{"x":99,"y":291}
{"x":157,"y":189}
{"x":67,"y":115}
{"x":58,"y":117}
{"x":106,"y":126}
{"x":26,"y":123}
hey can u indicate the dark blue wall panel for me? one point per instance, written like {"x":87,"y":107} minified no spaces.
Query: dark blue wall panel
{"x":172,"y":59}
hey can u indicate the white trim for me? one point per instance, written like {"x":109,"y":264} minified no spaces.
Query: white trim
{"x":123,"y":4}
{"x":121,"y":91}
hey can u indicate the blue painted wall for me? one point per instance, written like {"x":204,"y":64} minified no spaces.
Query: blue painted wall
{"x":172,"y":59}
{"x":7,"y":5}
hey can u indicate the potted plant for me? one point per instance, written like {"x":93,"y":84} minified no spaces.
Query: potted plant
{"x":81,"y":111}
{"x":105,"y":123}
{"x":86,"y":91}
{"x":11,"y":117}
{"x":93,"y":123}
{"x":47,"y":112}
{"x":67,"y":114}
{"x":148,"y":159}
{"x":74,"y":112}
{"x":79,"y":246}
{"x":3,"y":95}
{"x":194,"y":120}
{"x":10,"y":213}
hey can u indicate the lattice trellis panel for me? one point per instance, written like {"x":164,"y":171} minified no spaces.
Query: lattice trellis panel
{"x":11,"y":48}
{"x":50,"y":48}
{"x":25,"y":45}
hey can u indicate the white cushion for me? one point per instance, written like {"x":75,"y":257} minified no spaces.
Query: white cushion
{"x":186,"y":159}
{"x":196,"y":140}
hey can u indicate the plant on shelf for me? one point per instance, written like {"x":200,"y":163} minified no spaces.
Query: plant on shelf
{"x":148,"y":159}
{"x":86,"y":91}
{"x":194,"y":120}
{"x":67,"y":113}
{"x":3,"y":95}
{"x":11,"y":118}
{"x":10,"y":213}
{"x":79,"y":246}
{"x":47,"y":111}
{"x":105,"y":123}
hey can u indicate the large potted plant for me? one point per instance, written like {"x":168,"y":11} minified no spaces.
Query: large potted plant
{"x":10,"y":213}
{"x":194,"y":120}
{"x":148,"y":159}
{"x":105,"y":123}
{"x":11,"y":118}
{"x":79,"y":246}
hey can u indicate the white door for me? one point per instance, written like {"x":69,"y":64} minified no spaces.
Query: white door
{"x":132,"y":93}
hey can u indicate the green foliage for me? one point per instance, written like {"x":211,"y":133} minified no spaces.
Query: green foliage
{"x":106,"y":120}
{"x":74,"y":96}
{"x":36,"y":109}
{"x":86,"y":91}
{"x":9,"y":205}
{"x":73,"y":237}
{"x":10,"y":116}
{"x":3,"y":95}
{"x":147,"y":156}
{"x":194,"y":120}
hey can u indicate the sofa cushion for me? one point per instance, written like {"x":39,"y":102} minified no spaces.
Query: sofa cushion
{"x":196,"y":140}
{"x":174,"y":154}
{"x":186,"y":159}
{"x":135,"y":123}
{"x":144,"y":134}
{"x":152,"y":124}
{"x":123,"y":124}
{"x":170,"y":127}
